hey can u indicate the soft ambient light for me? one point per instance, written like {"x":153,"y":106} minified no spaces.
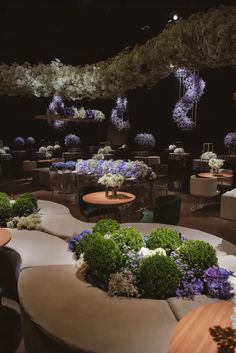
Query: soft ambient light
{"x":175,"y":17}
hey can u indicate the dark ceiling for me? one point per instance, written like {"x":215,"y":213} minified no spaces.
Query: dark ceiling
{"x":84,"y":31}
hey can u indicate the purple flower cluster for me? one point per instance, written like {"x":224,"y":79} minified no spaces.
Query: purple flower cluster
{"x":132,"y":260}
{"x":117,"y":114}
{"x":136,"y":169}
{"x":72,"y":140}
{"x":230,"y":139}
{"x":76,"y":239}
{"x":57,"y":107}
{"x":69,"y":165}
{"x":30,"y":141}
{"x":147,"y":141}
{"x":19,"y":142}
{"x":216,"y":282}
{"x":194,"y":86}
{"x":190,"y":286}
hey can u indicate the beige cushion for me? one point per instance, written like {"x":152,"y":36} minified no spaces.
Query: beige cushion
{"x":205,"y":187}
{"x":74,"y":313}
{"x":228,"y":205}
{"x":38,"y":249}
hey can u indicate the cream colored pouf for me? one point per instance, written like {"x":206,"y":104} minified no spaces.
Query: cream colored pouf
{"x":228,"y":205}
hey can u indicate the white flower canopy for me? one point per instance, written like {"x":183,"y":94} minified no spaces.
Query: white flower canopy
{"x":204,"y":40}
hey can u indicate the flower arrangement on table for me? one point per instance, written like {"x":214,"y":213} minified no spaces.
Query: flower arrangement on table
{"x":215,"y":165}
{"x":72,"y":140}
{"x":130,"y":169}
{"x":19,"y":142}
{"x":179,"y":150}
{"x":69,"y":165}
{"x":145,"y":140}
{"x":117,"y":114}
{"x":111,"y":181}
{"x":163,"y":264}
{"x":57,"y":107}
{"x":208,"y":155}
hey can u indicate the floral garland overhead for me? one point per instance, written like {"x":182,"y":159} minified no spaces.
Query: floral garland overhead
{"x":204,"y":40}
{"x":117,"y":114}
{"x":57,"y":107}
{"x":194,"y":86}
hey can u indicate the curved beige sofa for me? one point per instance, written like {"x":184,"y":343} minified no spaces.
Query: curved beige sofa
{"x":64,"y":314}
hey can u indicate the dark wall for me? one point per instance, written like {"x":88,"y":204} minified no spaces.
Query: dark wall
{"x":149,"y":111}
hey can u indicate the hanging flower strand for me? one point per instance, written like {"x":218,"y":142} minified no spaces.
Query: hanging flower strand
{"x":117,"y":114}
{"x":194,"y":86}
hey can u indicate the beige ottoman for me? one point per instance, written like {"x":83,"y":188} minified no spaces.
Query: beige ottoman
{"x":228,"y":205}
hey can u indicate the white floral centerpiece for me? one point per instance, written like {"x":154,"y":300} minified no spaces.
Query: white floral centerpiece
{"x":112,"y":181}
{"x":209,"y":155}
{"x":215,"y":165}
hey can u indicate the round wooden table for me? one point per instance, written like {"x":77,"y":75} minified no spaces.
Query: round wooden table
{"x":5,"y":237}
{"x":205,"y":330}
{"x":99,"y":198}
{"x":218,"y":176}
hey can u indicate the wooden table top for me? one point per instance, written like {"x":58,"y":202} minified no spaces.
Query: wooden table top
{"x":99,"y":198}
{"x":218,"y":176}
{"x":205,"y":330}
{"x":5,"y":237}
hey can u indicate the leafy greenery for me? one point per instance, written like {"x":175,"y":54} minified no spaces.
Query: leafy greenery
{"x":4,"y":196}
{"x":158,"y":277}
{"x":30,"y":197}
{"x":107,"y":225}
{"x":165,"y":238}
{"x":22,"y":207}
{"x":128,"y":238}
{"x":5,"y":211}
{"x":201,"y":41}
{"x":197,"y":255}
{"x":103,"y":258}
{"x":84,"y":242}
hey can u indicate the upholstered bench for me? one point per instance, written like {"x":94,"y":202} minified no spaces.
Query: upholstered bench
{"x":228,"y":205}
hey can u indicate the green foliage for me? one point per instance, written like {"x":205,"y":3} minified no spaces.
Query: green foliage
{"x":103,"y":258}
{"x":158,"y":277}
{"x":5,"y":211}
{"x":197,"y":255}
{"x":23,"y":206}
{"x":4,"y":196}
{"x":30,"y":197}
{"x":165,"y":238}
{"x":128,"y":237}
{"x":83,"y":243}
{"x":107,"y":225}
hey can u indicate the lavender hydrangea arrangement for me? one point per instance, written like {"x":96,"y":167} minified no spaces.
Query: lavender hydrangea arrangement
{"x":30,"y":141}
{"x":19,"y":142}
{"x":118,"y":113}
{"x":145,"y":140}
{"x":72,"y":140}
{"x":194,"y":86}
{"x":69,"y":165}
{"x":77,"y":238}
{"x":230,"y":139}
{"x":131,"y":169}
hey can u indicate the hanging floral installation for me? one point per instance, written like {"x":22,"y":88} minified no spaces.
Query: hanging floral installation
{"x":204,"y":40}
{"x":57,"y":107}
{"x":118,"y":113}
{"x":194,"y":89}
{"x":230,"y":139}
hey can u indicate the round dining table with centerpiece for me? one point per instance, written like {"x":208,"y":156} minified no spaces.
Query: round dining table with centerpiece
{"x":211,"y":175}
{"x":100,"y":198}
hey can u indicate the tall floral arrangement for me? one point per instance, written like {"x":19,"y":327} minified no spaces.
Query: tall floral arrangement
{"x":118,"y":113}
{"x":230,"y":139}
{"x":72,"y":140}
{"x":145,"y":140}
{"x":19,"y":142}
{"x":194,"y":86}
